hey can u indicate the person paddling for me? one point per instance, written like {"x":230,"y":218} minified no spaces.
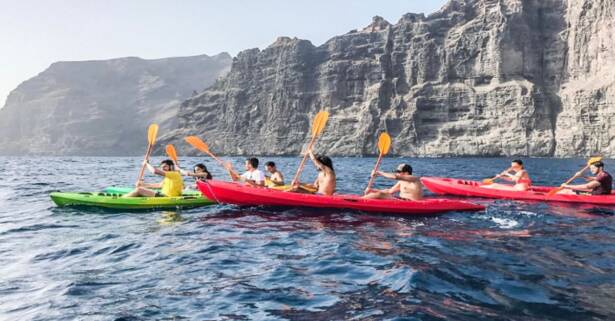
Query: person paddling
{"x":276,"y":178}
{"x":171,"y":186}
{"x":519,"y":177}
{"x":599,"y":184}
{"x":199,"y":173}
{"x":252,"y":176}
{"x":325,"y":182}
{"x":408,"y":186}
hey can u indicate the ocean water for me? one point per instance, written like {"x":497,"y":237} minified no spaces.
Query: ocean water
{"x":514,"y":261}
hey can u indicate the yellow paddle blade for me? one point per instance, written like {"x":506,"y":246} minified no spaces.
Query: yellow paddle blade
{"x":319,"y":122}
{"x":384,"y":143}
{"x":593,"y":160}
{"x":197,"y":143}
{"x":171,"y":152}
{"x":152,"y":131}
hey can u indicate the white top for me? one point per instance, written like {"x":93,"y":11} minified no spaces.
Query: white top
{"x":255,"y":175}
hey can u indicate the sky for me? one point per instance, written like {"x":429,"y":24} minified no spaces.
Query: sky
{"x":34,"y":34}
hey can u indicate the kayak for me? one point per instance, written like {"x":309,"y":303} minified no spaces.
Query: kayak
{"x":268,"y":183}
{"x":460,"y":187}
{"x":124,"y":190}
{"x":241,"y":194}
{"x":115,"y":201}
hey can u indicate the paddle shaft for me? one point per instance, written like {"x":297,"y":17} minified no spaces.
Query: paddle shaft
{"x":142,"y":171}
{"x":302,"y":164}
{"x":575,"y":176}
{"x":371,"y":179}
{"x":554,"y":191}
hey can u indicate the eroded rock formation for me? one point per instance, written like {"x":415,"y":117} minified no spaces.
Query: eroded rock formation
{"x":101,"y":107}
{"x":478,"y":77}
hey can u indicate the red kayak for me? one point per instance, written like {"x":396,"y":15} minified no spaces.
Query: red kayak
{"x":240,"y":194}
{"x":454,"y":186}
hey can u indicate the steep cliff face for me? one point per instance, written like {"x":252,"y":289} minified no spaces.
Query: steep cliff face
{"x":478,"y":77}
{"x":586,"y":124}
{"x":101,"y":107}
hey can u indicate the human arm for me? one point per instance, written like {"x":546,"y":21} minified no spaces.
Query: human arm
{"x":587,"y":187}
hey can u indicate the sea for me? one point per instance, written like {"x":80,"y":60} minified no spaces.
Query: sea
{"x":514,"y":261}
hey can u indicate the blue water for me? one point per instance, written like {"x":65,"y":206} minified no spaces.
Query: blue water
{"x":515,"y":261}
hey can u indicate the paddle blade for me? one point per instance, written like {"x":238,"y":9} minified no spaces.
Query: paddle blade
{"x":319,"y":122}
{"x":152,"y":131}
{"x":554,"y":191}
{"x":197,"y":143}
{"x":487,"y":181}
{"x":171,"y":152}
{"x":593,"y":160}
{"x":384,"y":143}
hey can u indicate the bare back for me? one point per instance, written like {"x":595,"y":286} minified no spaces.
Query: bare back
{"x":326,"y":182}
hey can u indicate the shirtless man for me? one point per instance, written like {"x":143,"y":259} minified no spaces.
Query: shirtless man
{"x":276,"y":178}
{"x":408,"y":186}
{"x":326,"y":180}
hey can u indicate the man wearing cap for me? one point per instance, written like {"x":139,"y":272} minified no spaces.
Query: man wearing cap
{"x":408,"y":186}
{"x":600,"y":184}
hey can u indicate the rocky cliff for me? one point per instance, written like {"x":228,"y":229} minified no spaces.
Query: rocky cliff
{"x":478,"y":77}
{"x":101,"y":107}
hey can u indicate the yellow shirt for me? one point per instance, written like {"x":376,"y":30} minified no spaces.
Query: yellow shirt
{"x":173,"y":184}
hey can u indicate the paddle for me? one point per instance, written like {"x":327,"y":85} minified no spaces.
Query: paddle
{"x":199,"y":144}
{"x":170,"y":149}
{"x":152,"y":131}
{"x":384,"y":144}
{"x":320,"y":120}
{"x":489,"y":181}
{"x":589,"y":162}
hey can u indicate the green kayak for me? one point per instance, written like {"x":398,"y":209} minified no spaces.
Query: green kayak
{"x":115,"y":201}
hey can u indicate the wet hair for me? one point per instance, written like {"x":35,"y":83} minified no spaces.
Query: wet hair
{"x":518,"y":161}
{"x":325,"y":160}
{"x":404,"y":168}
{"x":253,"y":161}
{"x":168,"y":162}
{"x":598,"y":164}
{"x":270,"y":163}
{"x":204,"y":169}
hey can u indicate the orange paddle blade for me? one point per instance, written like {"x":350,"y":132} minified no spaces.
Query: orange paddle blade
{"x":319,"y":122}
{"x":171,"y":152}
{"x":554,"y":191}
{"x":197,"y":143}
{"x":384,"y":143}
{"x":152,"y":131}
{"x":487,"y":181}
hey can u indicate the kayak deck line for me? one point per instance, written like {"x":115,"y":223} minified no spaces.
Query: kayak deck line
{"x":239,"y":194}
{"x":469,"y":188}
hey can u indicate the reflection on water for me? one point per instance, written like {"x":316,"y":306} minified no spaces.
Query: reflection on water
{"x":515,"y":261}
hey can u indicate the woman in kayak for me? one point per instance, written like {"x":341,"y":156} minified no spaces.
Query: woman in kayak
{"x":519,"y":177}
{"x":409,"y":187}
{"x":599,"y":184}
{"x":171,"y":186}
{"x":200,"y":173}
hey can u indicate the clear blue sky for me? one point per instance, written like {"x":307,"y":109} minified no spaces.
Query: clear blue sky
{"x":34,"y":34}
